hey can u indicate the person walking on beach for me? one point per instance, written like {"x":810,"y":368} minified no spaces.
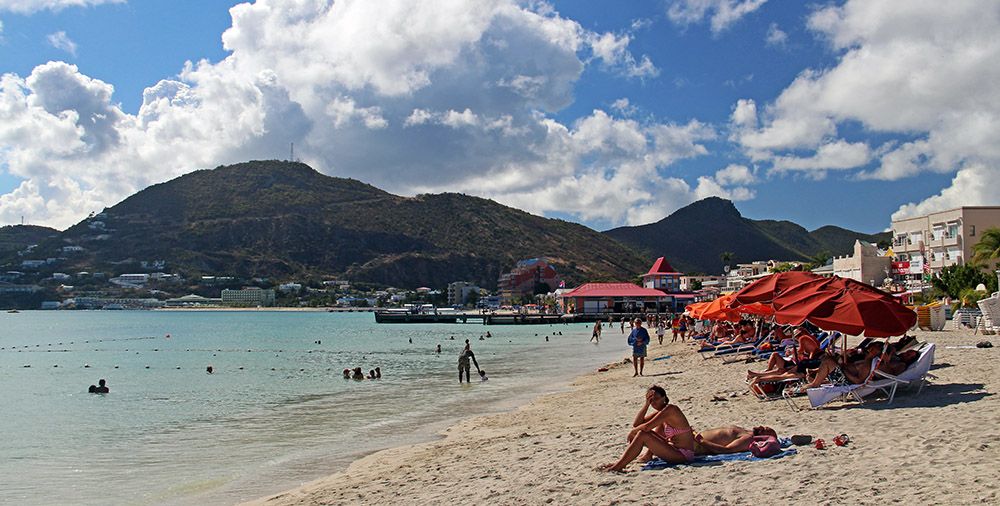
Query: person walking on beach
{"x":463,"y":362}
{"x":623,"y":324}
{"x":638,"y":339}
{"x":660,"y":331}
{"x":596,"y":337}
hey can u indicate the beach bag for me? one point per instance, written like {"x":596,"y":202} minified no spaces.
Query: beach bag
{"x":764,"y":446}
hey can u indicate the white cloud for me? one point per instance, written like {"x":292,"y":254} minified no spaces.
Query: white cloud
{"x":721,"y":13}
{"x":920,"y":69}
{"x":624,"y":107}
{"x":974,"y":185}
{"x":613,"y":51}
{"x":30,"y":6}
{"x":411,"y":97}
{"x":775,"y":36}
{"x":735,"y":175}
{"x":61,"y":41}
{"x":836,"y":155}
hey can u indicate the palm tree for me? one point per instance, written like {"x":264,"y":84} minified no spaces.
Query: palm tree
{"x":727,"y":258}
{"x":987,"y":249}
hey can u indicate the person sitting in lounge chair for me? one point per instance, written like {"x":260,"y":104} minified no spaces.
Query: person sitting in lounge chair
{"x":665,"y":432}
{"x":806,"y":355}
{"x":855,"y":373}
{"x":732,"y":439}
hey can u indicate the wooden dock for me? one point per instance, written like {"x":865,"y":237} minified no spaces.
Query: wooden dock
{"x":475,"y":318}
{"x":493,"y":318}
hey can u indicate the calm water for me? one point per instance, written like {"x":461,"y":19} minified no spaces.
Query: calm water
{"x":171,"y":433}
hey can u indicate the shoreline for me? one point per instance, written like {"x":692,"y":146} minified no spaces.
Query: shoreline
{"x":544,"y":450}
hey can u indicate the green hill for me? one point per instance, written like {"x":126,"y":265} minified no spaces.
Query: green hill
{"x":284,"y":220}
{"x":694,"y":237}
{"x":18,"y":237}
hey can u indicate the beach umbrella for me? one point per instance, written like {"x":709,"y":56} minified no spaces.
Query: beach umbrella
{"x":767,"y":288}
{"x":756,"y":309}
{"x":718,"y":309}
{"x":849,"y":310}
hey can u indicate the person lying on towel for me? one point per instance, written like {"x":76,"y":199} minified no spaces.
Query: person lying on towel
{"x":730,"y":439}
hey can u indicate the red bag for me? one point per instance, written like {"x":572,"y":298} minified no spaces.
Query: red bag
{"x":765,"y":446}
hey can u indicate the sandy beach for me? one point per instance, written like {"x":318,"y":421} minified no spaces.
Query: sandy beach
{"x":941,"y":447}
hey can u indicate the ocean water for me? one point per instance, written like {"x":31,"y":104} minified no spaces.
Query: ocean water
{"x":276,"y":412}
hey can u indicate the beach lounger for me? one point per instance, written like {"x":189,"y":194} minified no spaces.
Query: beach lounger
{"x":721,"y":351}
{"x":829,"y":392}
{"x":915,"y":374}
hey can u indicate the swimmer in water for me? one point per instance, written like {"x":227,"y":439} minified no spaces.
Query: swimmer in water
{"x":378,"y":373}
{"x":358,"y":375}
{"x":439,"y":348}
{"x":209,"y":369}
{"x":347,"y":374}
{"x":102,"y":387}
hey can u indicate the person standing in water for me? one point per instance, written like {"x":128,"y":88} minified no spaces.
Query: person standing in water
{"x":596,"y":337}
{"x":463,"y":362}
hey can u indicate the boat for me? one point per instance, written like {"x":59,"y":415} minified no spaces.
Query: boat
{"x":13,"y":311}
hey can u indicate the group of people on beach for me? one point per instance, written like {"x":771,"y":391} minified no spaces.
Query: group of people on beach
{"x":660,"y":430}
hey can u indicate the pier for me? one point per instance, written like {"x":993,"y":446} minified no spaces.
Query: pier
{"x":496,"y":318}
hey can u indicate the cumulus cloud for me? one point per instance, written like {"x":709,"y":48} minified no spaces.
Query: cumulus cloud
{"x":836,"y":155}
{"x":923,"y":71}
{"x":30,"y":6}
{"x":61,"y":41}
{"x":412,"y":97}
{"x":721,"y":13}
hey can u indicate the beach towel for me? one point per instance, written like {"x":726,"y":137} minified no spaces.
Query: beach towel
{"x":713,"y":460}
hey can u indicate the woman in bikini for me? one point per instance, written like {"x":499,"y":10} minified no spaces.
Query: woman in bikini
{"x":665,"y":432}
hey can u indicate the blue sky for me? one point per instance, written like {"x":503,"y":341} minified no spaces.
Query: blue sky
{"x":606,"y":113}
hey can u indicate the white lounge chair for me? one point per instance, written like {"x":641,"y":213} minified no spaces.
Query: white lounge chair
{"x":916,"y":373}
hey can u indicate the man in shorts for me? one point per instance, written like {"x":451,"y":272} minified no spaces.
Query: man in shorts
{"x":463,"y":362}
{"x":638,"y":339}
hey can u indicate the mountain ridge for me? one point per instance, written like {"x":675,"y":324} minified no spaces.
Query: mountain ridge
{"x":694,"y":237}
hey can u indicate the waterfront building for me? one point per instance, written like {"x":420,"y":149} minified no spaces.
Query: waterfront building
{"x":689,"y":283}
{"x":526,"y":279}
{"x":600,"y":298}
{"x":744,"y":274}
{"x":459,"y":292}
{"x":661,"y":276}
{"x":867,"y":264}
{"x":923,"y":245}
{"x":248,"y":297}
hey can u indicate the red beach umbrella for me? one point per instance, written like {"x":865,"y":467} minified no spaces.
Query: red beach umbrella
{"x":718,"y":309}
{"x":756,"y":309}
{"x":767,"y":288}
{"x":850,"y":310}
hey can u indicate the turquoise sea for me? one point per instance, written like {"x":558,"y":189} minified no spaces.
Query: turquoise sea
{"x":275,"y":413}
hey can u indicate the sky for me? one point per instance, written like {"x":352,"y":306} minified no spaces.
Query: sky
{"x":606,"y":113}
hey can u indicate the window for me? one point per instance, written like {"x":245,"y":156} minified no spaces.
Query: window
{"x":972,"y":230}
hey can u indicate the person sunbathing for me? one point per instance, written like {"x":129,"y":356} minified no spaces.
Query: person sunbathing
{"x":855,"y":373}
{"x":805,"y":355}
{"x":665,"y":432}
{"x":732,"y":439}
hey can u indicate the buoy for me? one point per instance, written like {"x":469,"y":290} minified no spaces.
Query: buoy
{"x":86,"y":366}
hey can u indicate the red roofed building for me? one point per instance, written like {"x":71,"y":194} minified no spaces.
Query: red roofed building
{"x":662,"y":276}
{"x":596,"y":298}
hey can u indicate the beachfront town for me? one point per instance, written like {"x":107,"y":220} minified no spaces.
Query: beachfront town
{"x":913,"y":266}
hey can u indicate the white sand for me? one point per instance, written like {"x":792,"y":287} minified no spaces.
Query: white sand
{"x":942,"y":447}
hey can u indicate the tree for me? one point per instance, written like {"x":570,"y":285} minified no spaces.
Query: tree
{"x":727,"y":258}
{"x":696,"y":285}
{"x":987,"y":250}
{"x":956,"y":278}
{"x":820,"y":259}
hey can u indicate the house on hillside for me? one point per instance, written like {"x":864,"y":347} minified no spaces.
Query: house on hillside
{"x":526,"y":279}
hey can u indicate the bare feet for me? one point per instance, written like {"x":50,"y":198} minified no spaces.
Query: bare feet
{"x":609,"y":468}
{"x":634,"y":375}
